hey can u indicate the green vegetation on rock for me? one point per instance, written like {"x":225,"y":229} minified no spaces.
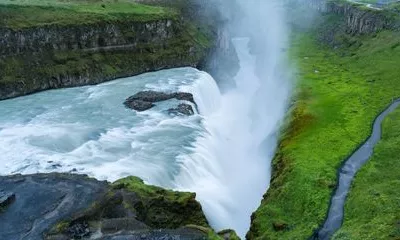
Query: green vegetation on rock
{"x":372,"y":210}
{"x":339,"y":93}
{"x":132,"y":206}
{"x":161,"y":208}
{"x":106,"y":64}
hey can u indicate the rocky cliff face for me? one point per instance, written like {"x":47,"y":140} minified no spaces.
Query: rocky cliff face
{"x":356,"y":18}
{"x":361,"y":19}
{"x":85,"y":37}
{"x":40,"y":58}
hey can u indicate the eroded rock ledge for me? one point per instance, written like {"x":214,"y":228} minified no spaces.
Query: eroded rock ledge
{"x":66,"y":206}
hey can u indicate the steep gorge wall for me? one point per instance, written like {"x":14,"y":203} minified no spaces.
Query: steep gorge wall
{"x":361,"y":19}
{"x":357,"y":18}
{"x":62,"y":38}
{"x":55,"y":56}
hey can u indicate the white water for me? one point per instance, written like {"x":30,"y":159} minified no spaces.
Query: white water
{"x":88,"y":130}
{"x":223,"y":154}
{"x":229,"y":168}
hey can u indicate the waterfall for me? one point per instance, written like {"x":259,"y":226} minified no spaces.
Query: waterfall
{"x":229,"y":164}
{"x":229,"y":167}
{"x":223,"y":153}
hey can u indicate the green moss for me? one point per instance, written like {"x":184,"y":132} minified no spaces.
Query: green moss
{"x":60,"y":227}
{"x":339,"y":93}
{"x":372,"y":209}
{"x":211,"y":235}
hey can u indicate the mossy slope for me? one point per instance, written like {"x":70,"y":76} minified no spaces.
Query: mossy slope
{"x":339,"y":92}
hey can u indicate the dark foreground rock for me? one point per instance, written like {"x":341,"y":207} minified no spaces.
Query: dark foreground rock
{"x":42,"y":200}
{"x":145,"y":100}
{"x":66,"y":206}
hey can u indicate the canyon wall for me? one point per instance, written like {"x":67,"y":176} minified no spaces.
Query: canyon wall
{"x":53,"y":56}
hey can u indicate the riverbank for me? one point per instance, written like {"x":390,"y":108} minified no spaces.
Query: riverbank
{"x":342,"y":86}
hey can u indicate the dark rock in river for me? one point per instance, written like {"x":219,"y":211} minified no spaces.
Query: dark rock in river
{"x":182,"y":108}
{"x":138,"y":105}
{"x":184,"y":96}
{"x":145,"y":100}
{"x":67,"y":206}
{"x":150,"y":96}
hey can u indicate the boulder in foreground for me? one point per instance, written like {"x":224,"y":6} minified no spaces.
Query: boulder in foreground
{"x":67,"y":206}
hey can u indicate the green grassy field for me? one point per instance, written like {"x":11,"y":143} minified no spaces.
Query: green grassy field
{"x":372,"y":209}
{"x":17,"y":14}
{"x":339,"y":93}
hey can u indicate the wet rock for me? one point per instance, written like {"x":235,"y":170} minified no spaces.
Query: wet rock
{"x":182,"y":108}
{"x":79,"y":230}
{"x":151,"y":96}
{"x":57,"y":165}
{"x":138,"y":105}
{"x":42,"y":200}
{"x":6,"y":198}
{"x":185,"y":233}
{"x":145,"y":100}
{"x":118,"y":224}
{"x":184,"y":96}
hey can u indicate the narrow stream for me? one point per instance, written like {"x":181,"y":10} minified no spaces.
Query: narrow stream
{"x":346,"y":174}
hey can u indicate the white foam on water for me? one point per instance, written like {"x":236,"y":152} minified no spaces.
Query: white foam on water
{"x":88,"y":130}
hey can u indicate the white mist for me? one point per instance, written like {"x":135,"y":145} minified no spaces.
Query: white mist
{"x":230,"y":165}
